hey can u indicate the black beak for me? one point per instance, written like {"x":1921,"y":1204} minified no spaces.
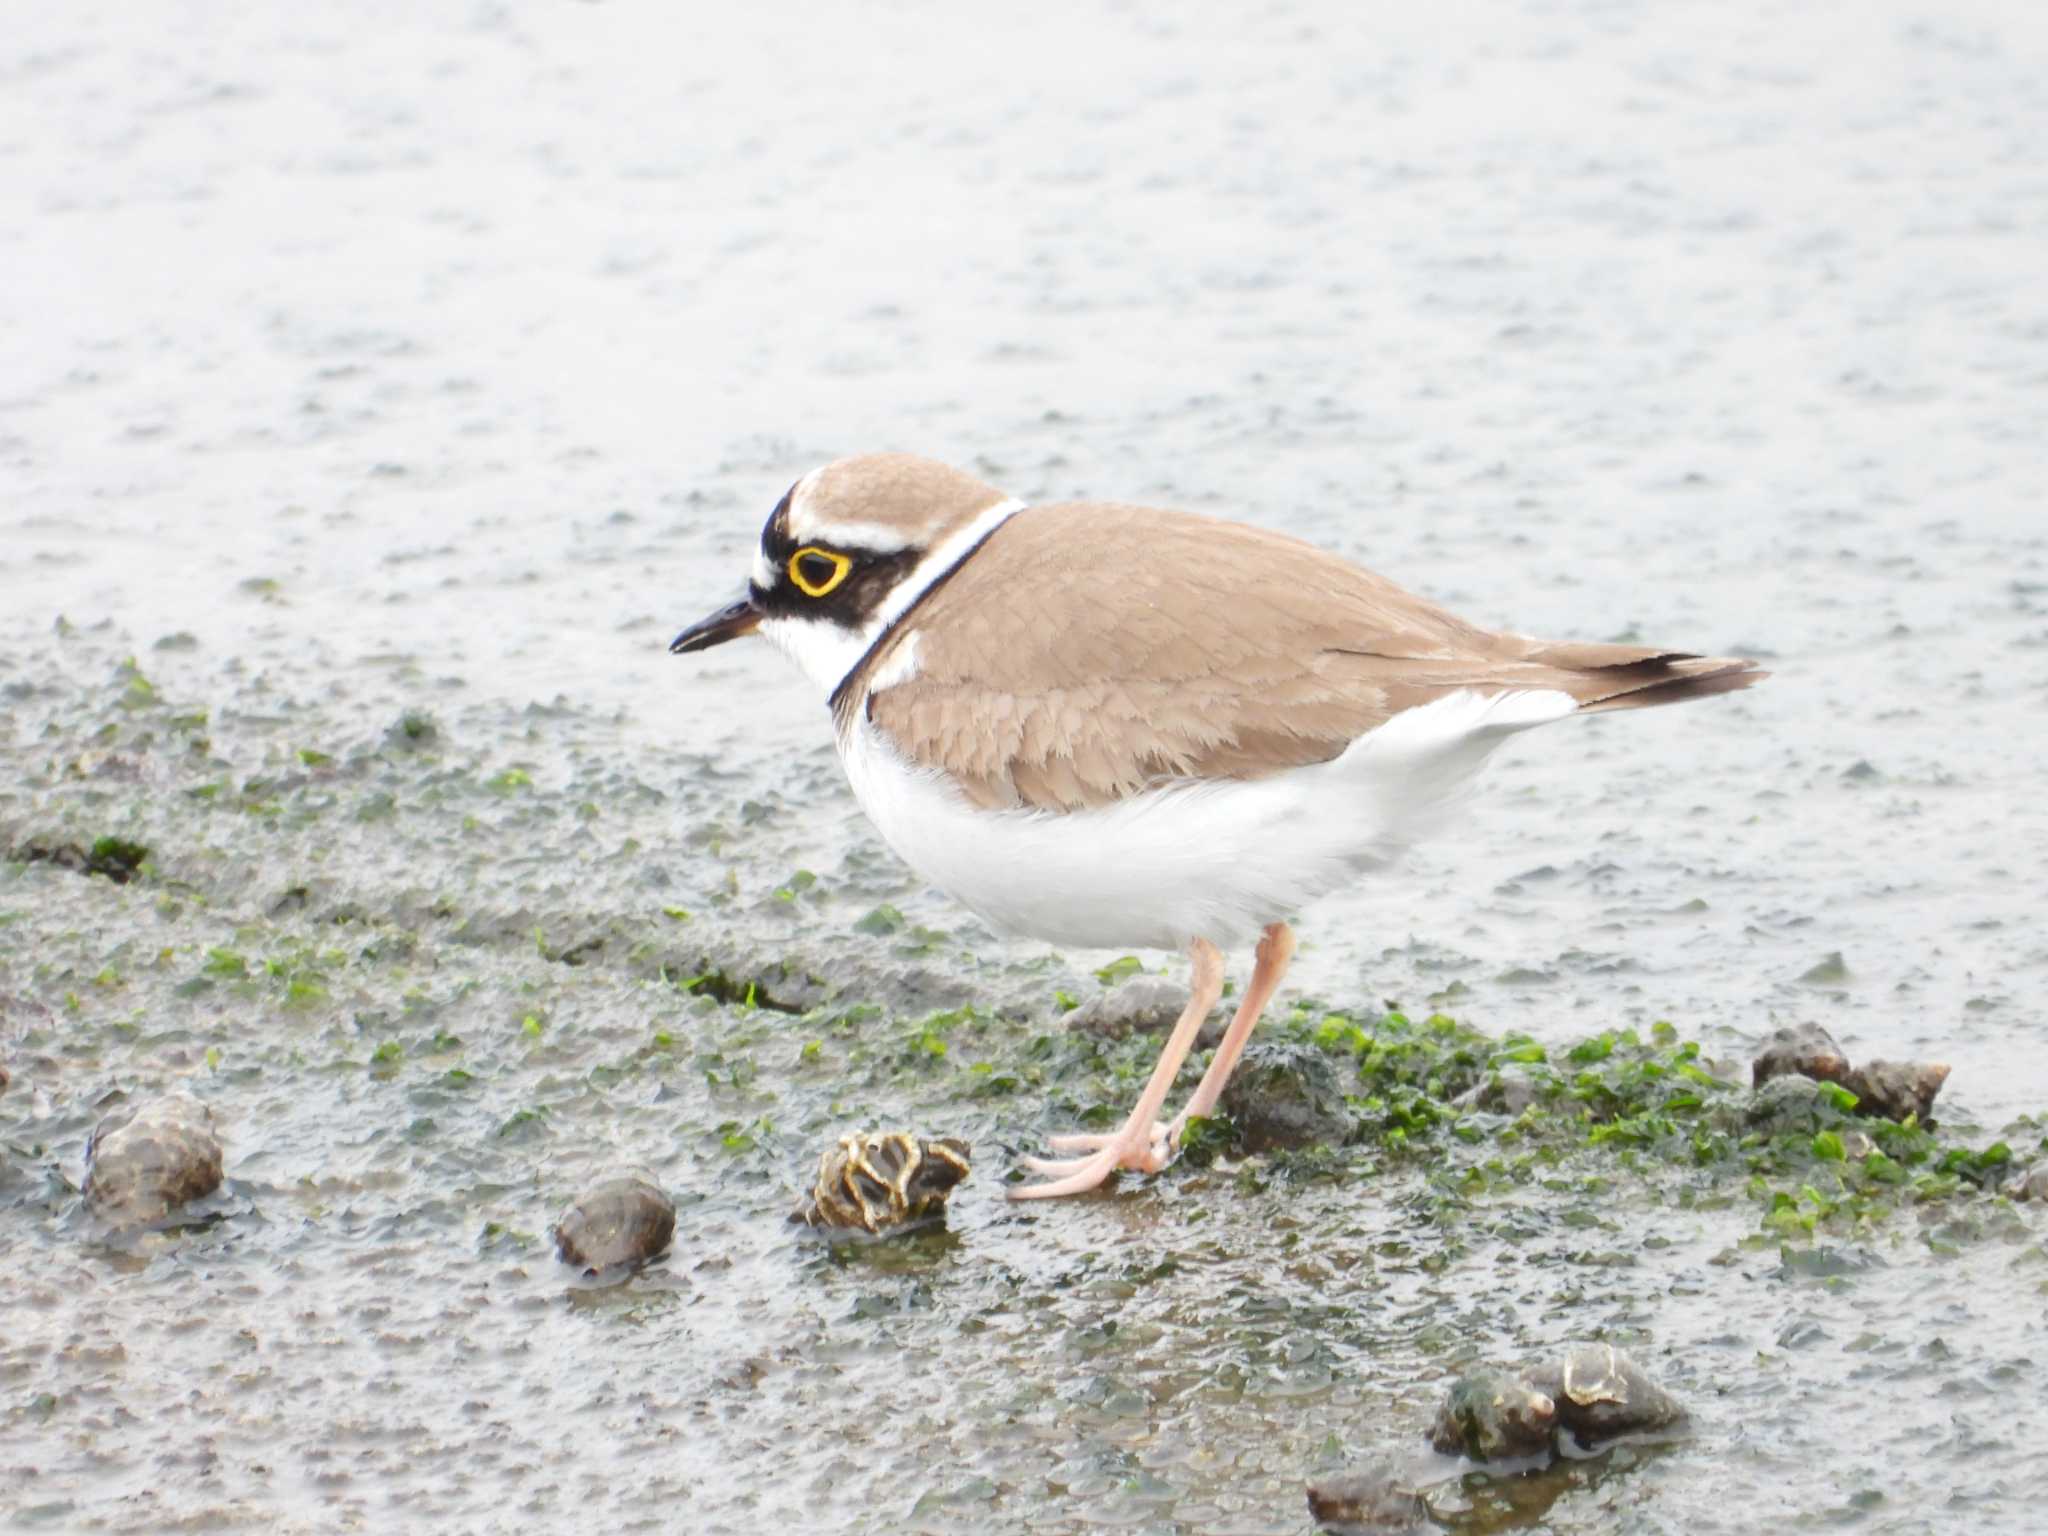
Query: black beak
{"x":729,"y":623}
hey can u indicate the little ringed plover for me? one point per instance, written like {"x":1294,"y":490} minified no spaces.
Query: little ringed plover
{"x":1106,"y":725}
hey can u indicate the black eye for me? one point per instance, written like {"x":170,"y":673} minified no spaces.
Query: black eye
{"x":817,"y":571}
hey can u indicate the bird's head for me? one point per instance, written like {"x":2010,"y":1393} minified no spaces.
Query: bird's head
{"x":847,"y":552}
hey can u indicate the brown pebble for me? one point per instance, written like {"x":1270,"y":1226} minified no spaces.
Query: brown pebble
{"x":1803,"y":1050}
{"x":625,"y":1219}
{"x":142,"y":1165}
{"x":1896,"y":1089}
{"x":1372,"y":1498}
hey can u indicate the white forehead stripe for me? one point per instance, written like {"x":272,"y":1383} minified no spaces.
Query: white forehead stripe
{"x":868,"y":538}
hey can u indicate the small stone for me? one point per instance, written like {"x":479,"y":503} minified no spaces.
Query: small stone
{"x":1143,"y":1005}
{"x":1803,"y":1049}
{"x":1492,"y":1415}
{"x":1506,"y":1091}
{"x":1373,"y":1498}
{"x":1785,"y":1104}
{"x":1896,"y":1089}
{"x":1828,"y":971}
{"x":2031,"y":1185}
{"x":1284,"y":1096}
{"x":625,"y":1219}
{"x":880,"y":1181}
{"x":141,"y":1166}
{"x":1600,"y":1393}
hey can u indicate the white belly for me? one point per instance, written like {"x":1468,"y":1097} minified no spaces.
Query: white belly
{"x":1215,"y":860}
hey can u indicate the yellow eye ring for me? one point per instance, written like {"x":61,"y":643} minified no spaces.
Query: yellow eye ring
{"x":803,"y":570}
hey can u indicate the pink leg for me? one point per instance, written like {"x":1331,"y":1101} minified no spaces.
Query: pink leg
{"x":1276,"y":949}
{"x":1136,"y":1144}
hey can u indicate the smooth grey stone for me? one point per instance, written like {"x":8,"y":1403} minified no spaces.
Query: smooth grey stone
{"x":1144,"y":1005}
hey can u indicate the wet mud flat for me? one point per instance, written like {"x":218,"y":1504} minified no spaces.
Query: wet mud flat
{"x":433,"y":964}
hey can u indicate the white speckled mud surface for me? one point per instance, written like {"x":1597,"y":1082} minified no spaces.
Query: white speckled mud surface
{"x":378,"y":362}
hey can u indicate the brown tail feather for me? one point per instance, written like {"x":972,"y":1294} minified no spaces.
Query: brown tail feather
{"x":1603,"y":676}
{"x":1669,"y":686}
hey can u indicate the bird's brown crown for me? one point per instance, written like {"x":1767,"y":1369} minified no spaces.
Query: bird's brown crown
{"x":884,"y":502}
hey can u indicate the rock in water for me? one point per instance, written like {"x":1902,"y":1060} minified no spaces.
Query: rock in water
{"x":1594,"y":1390}
{"x":1374,"y":1498}
{"x":1285,"y":1096}
{"x":1506,"y":1091}
{"x":881,"y":1181}
{"x":2031,"y":1185}
{"x":1600,"y":1393}
{"x":1893,"y":1089}
{"x":1786,"y":1104}
{"x":1490,"y":1415}
{"x":1805,"y":1050}
{"x":1896,"y":1089}
{"x":625,"y":1219}
{"x":1146,"y":1005}
{"x":141,"y":1166}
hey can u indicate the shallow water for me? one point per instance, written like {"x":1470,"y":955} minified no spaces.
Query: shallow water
{"x":449,"y":363}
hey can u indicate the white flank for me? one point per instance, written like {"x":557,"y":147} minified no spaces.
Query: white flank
{"x":828,"y":651}
{"x":1214,"y":860}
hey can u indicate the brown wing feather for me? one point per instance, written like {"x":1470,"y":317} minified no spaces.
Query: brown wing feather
{"x":1186,"y":647}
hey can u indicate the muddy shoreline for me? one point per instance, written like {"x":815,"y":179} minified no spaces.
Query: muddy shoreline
{"x":412,"y":1076}
{"x":388,"y":384}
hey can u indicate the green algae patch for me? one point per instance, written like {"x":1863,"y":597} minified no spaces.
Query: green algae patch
{"x":118,"y":858}
{"x":1205,"y":1138}
{"x":1484,"y":1115}
{"x":114,"y":858}
{"x":1119,"y":970}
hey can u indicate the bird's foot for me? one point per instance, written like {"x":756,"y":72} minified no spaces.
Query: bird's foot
{"x":1085,"y":1141}
{"x":1140,"y":1149}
